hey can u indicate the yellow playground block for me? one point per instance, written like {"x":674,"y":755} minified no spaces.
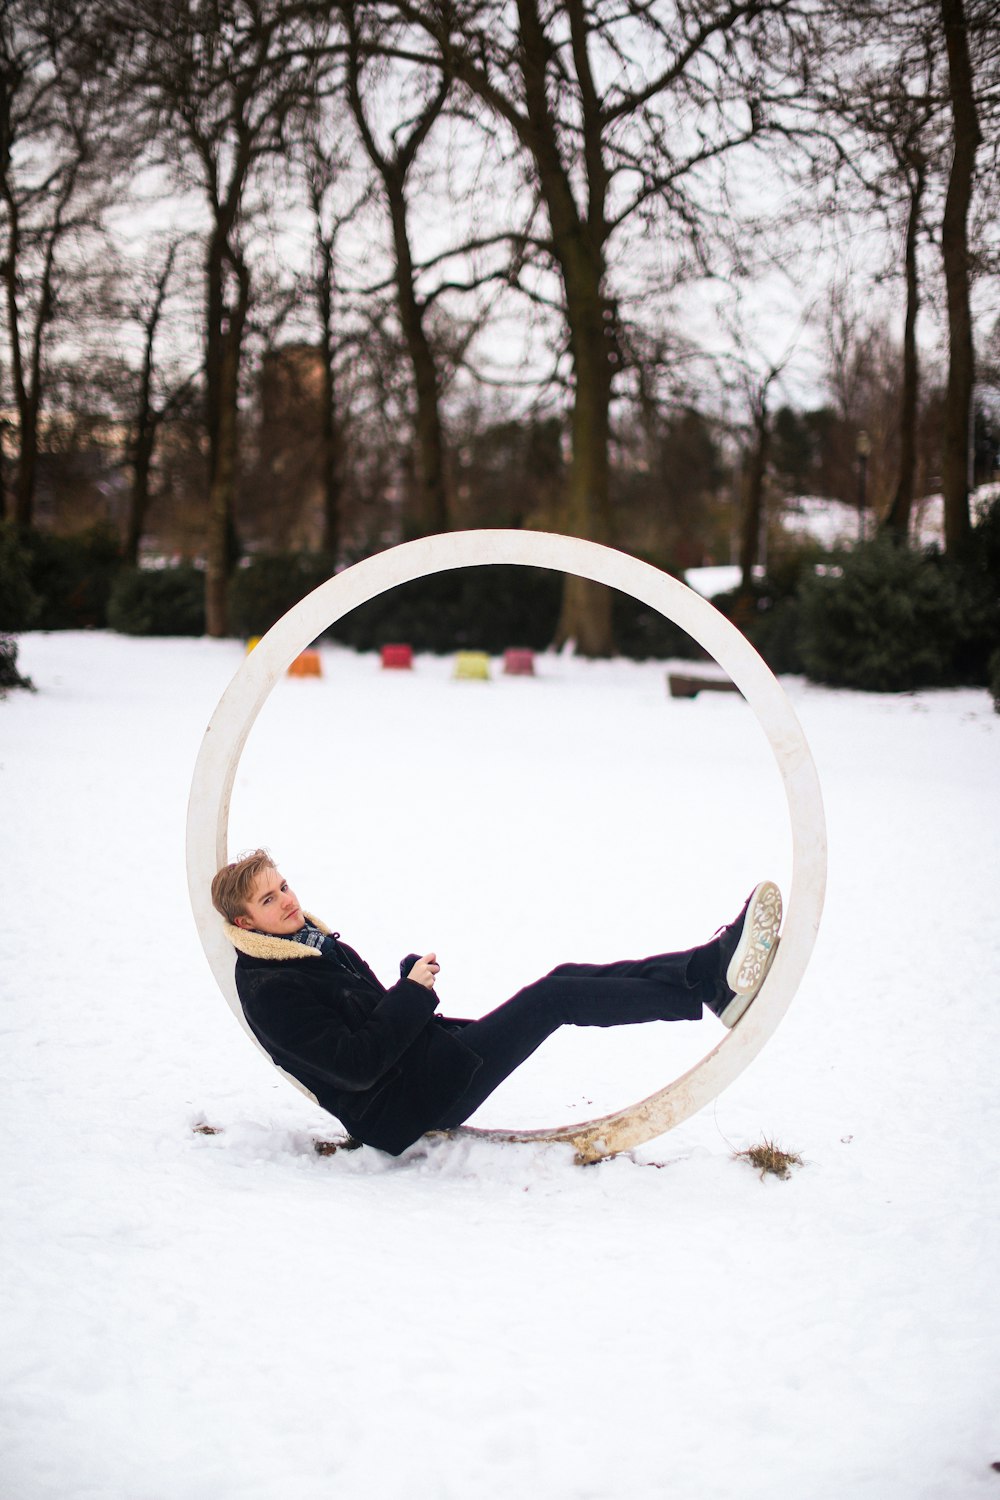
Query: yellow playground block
{"x":306,"y":664}
{"x":472,"y":666}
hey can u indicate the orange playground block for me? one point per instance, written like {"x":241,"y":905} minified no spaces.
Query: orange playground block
{"x":518,"y":662}
{"x":398,"y":657}
{"x":307,"y":664}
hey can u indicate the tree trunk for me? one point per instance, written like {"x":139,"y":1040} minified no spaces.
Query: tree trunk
{"x":22,"y":489}
{"x":6,"y":497}
{"x":585,"y":616}
{"x":753,"y":502}
{"x":897,"y":519}
{"x":222,"y":370}
{"x":578,"y":239}
{"x":142,"y":457}
{"x":330,"y":452}
{"x":221,"y":493}
{"x":430,"y":513}
{"x":955,"y":254}
{"x":138,"y":500}
{"x":331,"y":455}
{"x":27,"y":464}
{"x":28,"y":383}
{"x":146,"y":420}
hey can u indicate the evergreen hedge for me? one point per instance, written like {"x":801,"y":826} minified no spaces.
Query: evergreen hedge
{"x":10,"y":677}
{"x":20,"y":605}
{"x":160,"y":601}
{"x":768,"y":613}
{"x":266,"y":585}
{"x":52,"y":582}
{"x":884,"y":619}
{"x":491,"y":608}
{"x":481,"y":608}
{"x":879,"y":617}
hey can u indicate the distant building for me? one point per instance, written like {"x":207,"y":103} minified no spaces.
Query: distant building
{"x":284,"y":506}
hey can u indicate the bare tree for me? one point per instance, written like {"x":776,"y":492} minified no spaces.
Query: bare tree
{"x":222,"y":84}
{"x":755,"y":472}
{"x":324,"y":170}
{"x":913,"y":111}
{"x":57,"y":164}
{"x":896,"y":108}
{"x":621,"y":114}
{"x":151,"y":408}
{"x":393,"y":164}
{"x":912,"y":161}
{"x":966,"y":139}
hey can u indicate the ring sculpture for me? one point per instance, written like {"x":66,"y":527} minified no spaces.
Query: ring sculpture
{"x":215,"y":772}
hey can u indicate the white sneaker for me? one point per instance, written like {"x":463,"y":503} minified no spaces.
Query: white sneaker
{"x":754,"y":939}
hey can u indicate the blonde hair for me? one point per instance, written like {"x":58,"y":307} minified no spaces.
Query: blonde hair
{"x":233,"y":885}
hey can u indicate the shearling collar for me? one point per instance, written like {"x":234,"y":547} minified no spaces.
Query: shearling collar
{"x":264,"y":945}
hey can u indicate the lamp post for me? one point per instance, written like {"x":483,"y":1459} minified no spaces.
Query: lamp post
{"x":863,"y":448}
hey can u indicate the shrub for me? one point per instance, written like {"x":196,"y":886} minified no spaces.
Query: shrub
{"x":986,"y":537}
{"x":977,"y":632}
{"x":72,"y":576}
{"x":265,"y":586}
{"x":769,"y":621}
{"x":20,"y":606}
{"x":774,"y":631}
{"x":162,"y":601}
{"x":10,"y":677}
{"x":480,"y":608}
{"x":978,"y":583}
{"x":485,"y":609}
{"x":768,"y":613}
{"x":641,"y":632}
{"x":491,"y":608}
{"x":887,"y":619}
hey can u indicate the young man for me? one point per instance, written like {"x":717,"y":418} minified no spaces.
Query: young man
{"x":387,"y":1065}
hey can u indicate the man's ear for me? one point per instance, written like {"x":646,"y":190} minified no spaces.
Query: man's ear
{"x":245,"y":923}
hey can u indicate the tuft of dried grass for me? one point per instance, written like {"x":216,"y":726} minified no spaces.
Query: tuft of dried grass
{"x":205,"y":1129}
{"x":768,"y":1157}
{"x":330,"y":1148}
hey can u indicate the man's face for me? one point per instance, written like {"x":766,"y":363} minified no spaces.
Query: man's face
{"x":272,"y":907}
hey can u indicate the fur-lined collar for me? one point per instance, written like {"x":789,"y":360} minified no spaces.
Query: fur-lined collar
{"x":265,"y":945}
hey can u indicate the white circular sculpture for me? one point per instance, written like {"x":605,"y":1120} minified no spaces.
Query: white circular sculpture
{"x":215,"y":772}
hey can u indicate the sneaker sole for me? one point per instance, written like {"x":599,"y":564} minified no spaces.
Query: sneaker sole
{"x":755,"y":951}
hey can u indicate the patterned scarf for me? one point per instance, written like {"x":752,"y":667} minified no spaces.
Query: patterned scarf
{"x":326,"y":943}
{"x":310,"y":935}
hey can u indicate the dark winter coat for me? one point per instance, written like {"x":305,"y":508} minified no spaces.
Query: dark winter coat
{"x":379,"y":1059}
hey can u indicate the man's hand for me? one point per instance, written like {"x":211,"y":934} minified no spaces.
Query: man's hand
{"x":425,"y":970}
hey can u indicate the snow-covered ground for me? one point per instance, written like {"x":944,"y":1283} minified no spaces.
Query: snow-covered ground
{"x":233,"y":1317}
{"x":835,"y":523}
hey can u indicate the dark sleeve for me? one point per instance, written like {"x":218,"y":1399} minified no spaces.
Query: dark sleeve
{"x":290,"y":1017}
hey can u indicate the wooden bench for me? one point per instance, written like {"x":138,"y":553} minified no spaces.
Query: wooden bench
{"x":683,"y":685}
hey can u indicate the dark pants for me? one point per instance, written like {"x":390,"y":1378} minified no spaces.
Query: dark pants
{"x":667,"y":987}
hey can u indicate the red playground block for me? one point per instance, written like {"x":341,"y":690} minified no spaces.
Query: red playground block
{"x":518,"y":662}
{"x":400,"y":658}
